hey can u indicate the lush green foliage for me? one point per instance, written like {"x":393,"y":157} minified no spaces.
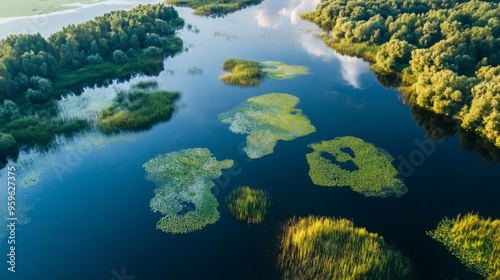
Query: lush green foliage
{"x":374,"y":176}
{"x":138,"y":108}
{"x":247,"y":204}
{"x":474,"y":240}
{"x":242,"y":72}
{"x":184,"y":178}
{"x":214,"y":8}
{"x":35,"y":71}
{"x":247,"y":73}
{"x":447,"y":53}
{"x":322,"y":248}
{"x":267,"y":119}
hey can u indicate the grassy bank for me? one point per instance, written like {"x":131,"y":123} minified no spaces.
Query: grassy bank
{"x":36,"y":7}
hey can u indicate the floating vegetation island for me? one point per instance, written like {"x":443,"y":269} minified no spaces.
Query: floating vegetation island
{"x":138,"y":108}
{"x":214,"y":8}
{"x":267,"y":119}
{"x":474,"y":240}
{"x":247,"y":73}
{"x":247,"y":204}
{"x":183,"y":196}
{"x":326,"y":248}
{"x":373,"y":173}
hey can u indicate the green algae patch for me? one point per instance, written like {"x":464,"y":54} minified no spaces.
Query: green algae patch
{"x":267,"y":119}
{"x":328,"y":248}
{"x":183,"y":196}
{"x":275,"y":70}
{"x":473,"y":240}
{"x":374,"y":174}
{"x":248,"y":73}
{"x":247,"y":204}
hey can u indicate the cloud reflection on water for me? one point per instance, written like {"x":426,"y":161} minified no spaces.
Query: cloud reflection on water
{"x":274,"y":14}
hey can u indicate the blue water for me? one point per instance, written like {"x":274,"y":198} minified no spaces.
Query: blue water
{"x":95,"y":220}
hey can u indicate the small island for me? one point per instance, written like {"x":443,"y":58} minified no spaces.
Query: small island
{"x":267,"y":119}
{"x":183,"y":195}
{"x":248,"y":73}
{"x":138,"y":108}
{"x":247,"y":204}
{"x":474,"y":240}
{"x":328,"y":248}
{"x":370,"y":171}
{"x":214,"y":8}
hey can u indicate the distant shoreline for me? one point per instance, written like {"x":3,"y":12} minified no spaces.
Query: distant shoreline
{"x":73,"y":7}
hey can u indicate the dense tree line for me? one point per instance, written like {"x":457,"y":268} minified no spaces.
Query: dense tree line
{"x":447,"y":51}
{"x":32,"y":67}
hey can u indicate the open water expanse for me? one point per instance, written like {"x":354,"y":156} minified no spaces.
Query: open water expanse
{"x":93,"y":221}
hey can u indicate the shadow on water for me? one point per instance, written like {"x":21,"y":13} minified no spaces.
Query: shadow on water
{"x":440,"y":128}
{"x":348,"y":165}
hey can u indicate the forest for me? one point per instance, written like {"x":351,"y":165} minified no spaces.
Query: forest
{"x":214,"y":8}
{"x":445,"y":53}
{"x":35,"y":71}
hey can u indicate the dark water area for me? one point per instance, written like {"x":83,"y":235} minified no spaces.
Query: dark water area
{"x":94,"y":221}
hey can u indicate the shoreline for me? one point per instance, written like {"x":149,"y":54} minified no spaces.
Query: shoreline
{"x":75,"y":7}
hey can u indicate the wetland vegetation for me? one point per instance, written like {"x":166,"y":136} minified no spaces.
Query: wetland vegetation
{"x":267,"y":119}
{"x":329,"y":248}
{"x":247,"y":204}
{"x":138,"y":108}
{"x":246,"y":73}
{"x":183,"y":197}
{"x":373,"y":173}
{"x":35,"y":71}
{"x":474,"y":240}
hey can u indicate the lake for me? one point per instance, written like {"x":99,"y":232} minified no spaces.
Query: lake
{"x":94,"y":221}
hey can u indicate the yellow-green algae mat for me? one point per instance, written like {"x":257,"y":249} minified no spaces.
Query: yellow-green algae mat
{"x":275,"y":70}
{"x":267,"y":119}
{"x":184,"y":177}
{"x":375,"y":175}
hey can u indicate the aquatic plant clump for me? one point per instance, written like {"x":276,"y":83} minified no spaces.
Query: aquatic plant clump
{"x":328,"y":248}
{"x":267,"y":119}
{"x":138,"y":108}
{"x":241,"y":72}
{"x":246,"y":73}
{"x":247,"y":204}
{"x":275,"y":70}
{"x":474,"y":240}
{"x":183,"y":196}
{"x":374,"y":174}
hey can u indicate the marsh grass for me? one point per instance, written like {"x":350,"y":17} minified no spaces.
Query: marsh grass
{"x":323,"y":248}
{"x":247,"y":204}
{"x":474,"y":240}
{"x":241,"y":72}
{"x":138,"y":108}
{"x":374,"y":174}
